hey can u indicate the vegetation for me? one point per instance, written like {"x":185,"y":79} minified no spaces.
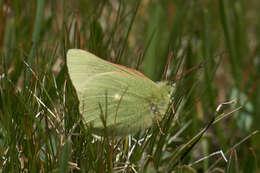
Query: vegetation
{"x":40,"y":126}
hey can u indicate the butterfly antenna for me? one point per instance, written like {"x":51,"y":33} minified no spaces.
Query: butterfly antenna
{"x":178,"y":76}
{"x":168,"y":64}
{"x":157,"y":120}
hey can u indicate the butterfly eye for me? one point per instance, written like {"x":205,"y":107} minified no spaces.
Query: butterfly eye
{"x":154,"y":108}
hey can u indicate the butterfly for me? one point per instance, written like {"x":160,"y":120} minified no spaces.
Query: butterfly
{"x":116,"y":97}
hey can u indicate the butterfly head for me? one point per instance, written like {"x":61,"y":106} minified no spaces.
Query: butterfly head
{"x":161,"y":98}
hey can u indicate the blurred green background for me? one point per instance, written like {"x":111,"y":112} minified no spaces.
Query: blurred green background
{"x":39,"y":120}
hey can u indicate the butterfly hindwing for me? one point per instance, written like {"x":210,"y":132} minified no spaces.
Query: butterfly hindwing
{"x":119,"y":99}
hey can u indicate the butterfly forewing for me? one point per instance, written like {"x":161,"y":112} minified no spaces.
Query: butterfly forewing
{"x":82,"y":65}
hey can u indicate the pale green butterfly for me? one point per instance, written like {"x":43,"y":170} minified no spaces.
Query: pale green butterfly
{"x":127,"y":99}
